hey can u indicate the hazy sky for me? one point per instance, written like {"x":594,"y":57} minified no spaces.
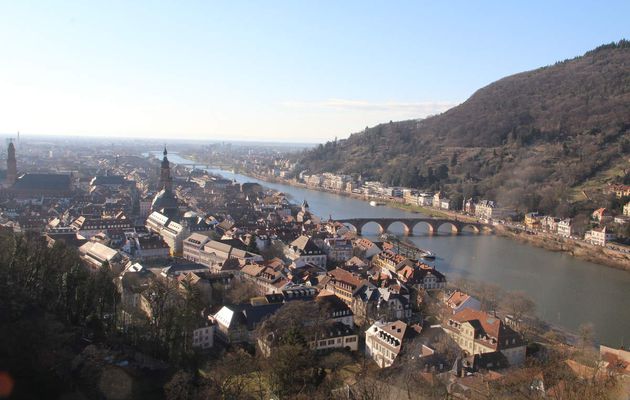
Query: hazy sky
{"x":271,"y":70}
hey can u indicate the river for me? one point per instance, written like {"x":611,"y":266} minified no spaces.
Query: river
{"x":567,"y":291}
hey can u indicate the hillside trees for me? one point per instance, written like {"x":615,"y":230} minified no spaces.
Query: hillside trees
{"x":519,"y":140}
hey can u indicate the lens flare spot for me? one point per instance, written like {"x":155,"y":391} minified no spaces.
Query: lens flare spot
{"x":6,"y":384}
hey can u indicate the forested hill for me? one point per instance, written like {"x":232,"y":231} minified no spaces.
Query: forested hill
{"x":523,"y":140}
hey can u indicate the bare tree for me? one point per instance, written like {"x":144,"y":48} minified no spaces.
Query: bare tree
{"x":586,"y":335}
{"x":520,"y":306}
{"x":369,"y":388}
{"x":229,"y":375}
{"x":241,"y":292}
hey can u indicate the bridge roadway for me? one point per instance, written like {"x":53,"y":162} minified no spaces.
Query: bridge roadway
{"x":457,"y":226}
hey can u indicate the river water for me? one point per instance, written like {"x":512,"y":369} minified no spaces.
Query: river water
{"x":567,"y":291}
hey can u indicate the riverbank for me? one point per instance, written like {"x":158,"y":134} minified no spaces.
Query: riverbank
{"x":579,"y":249}
{"x":401,"y":205}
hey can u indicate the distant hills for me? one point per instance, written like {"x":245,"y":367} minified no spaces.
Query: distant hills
{"x":530,"y":140}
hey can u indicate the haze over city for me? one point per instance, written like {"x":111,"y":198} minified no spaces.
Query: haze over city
{"x":281,"y":71}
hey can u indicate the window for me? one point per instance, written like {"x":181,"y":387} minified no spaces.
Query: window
{"x":331,"y":342}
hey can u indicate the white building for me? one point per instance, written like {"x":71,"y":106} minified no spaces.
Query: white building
{"x":193,"y":246}
{"x":425,"y":199}
{"x":488,"y":209}
{"x":337,"y":336}
{"x":564,"y":228}
{"x":303,"y":251}
{"x":94,"y":254}
{"x":599,"y":236}
{"x":172,"y":232}
{"x":203,"y":337}
{"x":383,"y":342}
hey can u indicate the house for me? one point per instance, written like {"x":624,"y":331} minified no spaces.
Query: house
{"x":151,"y":247}
{"x":236,"y":324}
{"x":626,"y":209}
{"x":217,"y":253}
{"x":337,"y":336}
{"x":338,"y":249}
{"x":599,"y":236}
{"x":484,"y":209}
{"x":620,"y":191}
{"x":203,"y":337}
{"x":470,"y":206}
{"x":335,"y":309}
{"x":371,"y":304}
{"x":267,"y":278}
{"x":425,"y":199}
{"x":457,"y":301}
{"x":532,"y":220}
{"x":303,"y":250}
{"x":437,"y":199}
{"x":88,"y":227}
{"x":367,"y":247}
{"x":132,"y":282}
{"x":384,"y":342}
{"x":95,"y":254}
{"x":172,"y":232}
{"x":565,"y":228}
{"x":193,"y":245}
{"x":343,"y":284}
{"x":488,"y":209}
{"x":334,"y":336}
{"x":549,"y":223}
{"x":477,"y":332}
{"x":422,"y":276}
{"x":389,"y":260}
{"x":601,"y":215}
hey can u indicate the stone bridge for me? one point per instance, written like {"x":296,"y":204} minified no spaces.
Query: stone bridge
{"x":433,"y":224}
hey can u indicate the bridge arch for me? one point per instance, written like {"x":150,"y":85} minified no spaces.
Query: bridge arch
{"x":470,"y":227}
{"x":406,"y":230}
{"x":352,"y":227}
{"x":454,"y":226}
{"x":380,"y":226}
{"x":430,"y":229}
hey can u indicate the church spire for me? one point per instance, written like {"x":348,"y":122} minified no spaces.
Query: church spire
{"x":165,"y":173}
{"x":11,"y":164}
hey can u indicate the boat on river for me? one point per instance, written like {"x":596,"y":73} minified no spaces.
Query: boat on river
{"x":374,"y":203}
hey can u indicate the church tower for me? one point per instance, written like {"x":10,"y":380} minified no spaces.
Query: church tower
{"x":11,"y":164}
{"x":166,"y":182}
{"x":165,"y":201}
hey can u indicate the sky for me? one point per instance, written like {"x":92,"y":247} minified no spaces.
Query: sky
{"x":291,"y":71}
